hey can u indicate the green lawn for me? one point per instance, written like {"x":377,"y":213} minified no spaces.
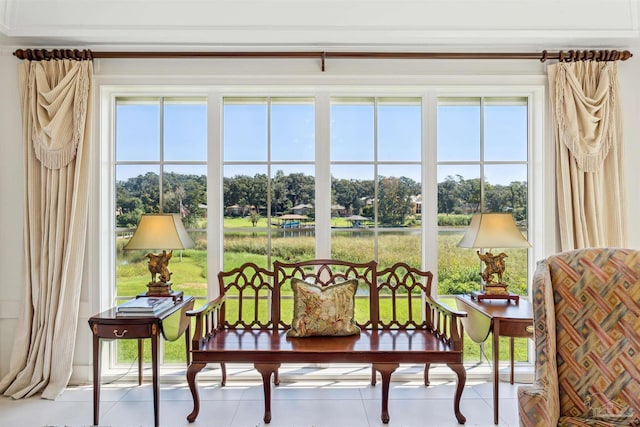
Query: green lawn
{"x":458,"y":273}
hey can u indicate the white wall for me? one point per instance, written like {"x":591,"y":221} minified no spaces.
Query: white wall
{"x":630,"y":94}
{"x":11,"y":206}
{"x":209,"y":72}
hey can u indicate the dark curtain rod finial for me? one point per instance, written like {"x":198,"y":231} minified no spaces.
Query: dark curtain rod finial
{"x":48,"y":55}
{"x":594,"y":55}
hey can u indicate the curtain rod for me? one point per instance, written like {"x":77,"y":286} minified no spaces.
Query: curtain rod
{"x":562,"y":56}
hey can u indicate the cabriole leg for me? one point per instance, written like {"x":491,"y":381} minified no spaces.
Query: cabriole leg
{"x":458,"y":368}
{"x":223,"y":368}
{"x":426,"y":373}
{"x":385,"y":369}
{"x":192,"y":371}
{"x":266,"y":370}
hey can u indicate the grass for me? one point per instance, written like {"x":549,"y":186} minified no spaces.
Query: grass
{"x":244,"y":222}
{"x":190,"y":267}
{"x":458,"y":270}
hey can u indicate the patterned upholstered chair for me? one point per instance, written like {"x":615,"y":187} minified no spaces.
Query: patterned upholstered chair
{"x":587,"y":336}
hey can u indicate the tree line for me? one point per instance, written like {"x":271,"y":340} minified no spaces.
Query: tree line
{"x":457,"y":195}
{"x":397,"y":196}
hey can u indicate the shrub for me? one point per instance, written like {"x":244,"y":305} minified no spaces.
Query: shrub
{"x":454,"y":220}
{"x":201,"y":244}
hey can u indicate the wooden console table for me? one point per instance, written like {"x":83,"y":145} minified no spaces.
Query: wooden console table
{"x":504,"y":319}
{"x":106,"y":325}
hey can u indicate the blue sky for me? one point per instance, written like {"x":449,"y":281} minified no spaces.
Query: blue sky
{"x":245,"y":132}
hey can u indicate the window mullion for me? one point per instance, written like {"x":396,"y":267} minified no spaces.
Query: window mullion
{"x":215,"y":171}
{"x":376,"y":181}
{"x":161,"y":165}
{"x":323,"y":176}
{"x":430,"y":186}
{"x":269,"y":178}
{"x":482,"y":190}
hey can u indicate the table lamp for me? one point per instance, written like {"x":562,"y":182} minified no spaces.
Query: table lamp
{"x":493,"y":230}
{"x":160,"y":232}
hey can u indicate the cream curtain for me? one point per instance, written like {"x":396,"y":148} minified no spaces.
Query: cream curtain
{"x":55,"y":97}
{"x":589,"y":169}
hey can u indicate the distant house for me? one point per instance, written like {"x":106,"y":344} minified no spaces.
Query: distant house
{"x":339,"y":210}
{"x":416,"y":204}
{"x":302,"y":209}
{"x":233,"y":210}
{"x":367,"y":201}
{"x":205,"y":207}
{"x":237,"y":210}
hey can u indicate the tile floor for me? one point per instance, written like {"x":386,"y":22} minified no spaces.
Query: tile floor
{"x":308,"y":403}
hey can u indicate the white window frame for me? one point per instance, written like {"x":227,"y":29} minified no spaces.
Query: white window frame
{"x":540,"y":172}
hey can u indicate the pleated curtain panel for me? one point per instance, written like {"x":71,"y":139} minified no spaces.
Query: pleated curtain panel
{"x":55,"y":97}
{"x":589,"y":170}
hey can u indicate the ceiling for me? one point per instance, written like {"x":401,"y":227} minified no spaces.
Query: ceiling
{"x":419,"y":25}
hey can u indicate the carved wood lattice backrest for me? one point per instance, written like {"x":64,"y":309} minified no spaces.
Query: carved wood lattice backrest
{"x":402,"y":290}
{"x":248,"y":290}
{"x":391,"y":298}
{"x":324,"y":273}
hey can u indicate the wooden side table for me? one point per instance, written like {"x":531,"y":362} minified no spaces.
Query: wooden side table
{"x":502,"y":318}
{"x":106,"y":325}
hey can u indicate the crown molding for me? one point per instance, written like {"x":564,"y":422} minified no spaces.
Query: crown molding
{"x":294,"y":24}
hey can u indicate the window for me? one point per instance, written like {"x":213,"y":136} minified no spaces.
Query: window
{"x":160,"y":166}
{"x":270,"y":203}
{"x":320,"y":173}
{"x":482,"y":146}
{"x":482,"y":167}
{"x":376,"y":176}
{"x":269,"y":180}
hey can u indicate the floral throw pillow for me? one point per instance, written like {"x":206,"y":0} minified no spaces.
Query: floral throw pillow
{"x":323,"y":310}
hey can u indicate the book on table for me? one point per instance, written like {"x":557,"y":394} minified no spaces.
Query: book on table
{"x":144,"y":306}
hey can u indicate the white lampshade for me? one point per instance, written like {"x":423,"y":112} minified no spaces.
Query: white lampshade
{"x":493,"y":230}
{"x":160,"y":232}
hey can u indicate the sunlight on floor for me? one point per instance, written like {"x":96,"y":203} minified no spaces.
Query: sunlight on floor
{"x":295,"y":403}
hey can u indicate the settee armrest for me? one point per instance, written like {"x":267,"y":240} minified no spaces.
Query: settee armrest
{"x":206,"y":321}
{"x":445,"y":322}
{"x":536,"y":407}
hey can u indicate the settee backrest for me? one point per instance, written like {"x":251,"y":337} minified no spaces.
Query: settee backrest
{"x":391,"y":298}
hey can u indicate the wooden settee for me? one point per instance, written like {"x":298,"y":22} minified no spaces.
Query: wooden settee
{"x":248,"y":322}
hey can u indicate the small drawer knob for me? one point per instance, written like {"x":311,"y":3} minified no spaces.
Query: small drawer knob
{"x":529,"y":329}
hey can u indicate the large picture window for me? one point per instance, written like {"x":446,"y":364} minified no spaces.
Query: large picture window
{"x":319,"y":175}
